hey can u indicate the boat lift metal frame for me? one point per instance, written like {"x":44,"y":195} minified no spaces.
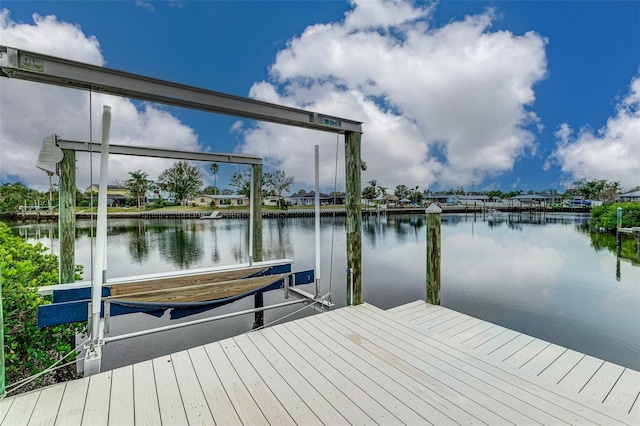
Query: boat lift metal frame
{"x":37,"y":67}
{"x":25,"y":65}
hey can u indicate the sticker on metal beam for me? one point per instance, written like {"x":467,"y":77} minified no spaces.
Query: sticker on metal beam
{"x":329,"y":122}
{"x":31,"y":63}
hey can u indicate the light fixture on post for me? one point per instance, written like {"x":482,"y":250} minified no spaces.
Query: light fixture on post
{"x":48,"y":159}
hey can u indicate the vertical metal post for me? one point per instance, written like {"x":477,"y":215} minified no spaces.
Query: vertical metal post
{"x":433,"y":254}
{"x":251,"y":198}
{"x":353,"y":209}
{"x":67,"y":217}
{"x":317,"y":219}
{"x":93,"y":359}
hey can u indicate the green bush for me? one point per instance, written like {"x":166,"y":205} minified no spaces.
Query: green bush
{"x":605,"y":216}
{"x":29,"y":349}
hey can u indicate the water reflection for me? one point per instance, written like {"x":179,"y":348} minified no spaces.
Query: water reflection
{"x":181,"y":245}
{"x":138,"y":241}
{"x":541,"y":274}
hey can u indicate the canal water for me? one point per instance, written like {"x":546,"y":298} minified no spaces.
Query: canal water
{"x":543,"y":275}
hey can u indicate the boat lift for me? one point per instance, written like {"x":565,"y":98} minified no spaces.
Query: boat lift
{"x":37,"y":67}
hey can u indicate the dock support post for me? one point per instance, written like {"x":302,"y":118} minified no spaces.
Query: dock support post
{"x":618,"y":226}
{"x":256,"y":236}
{"x":67,"y":217}
{"x":433,"y":254}
{"x":353,"y":209}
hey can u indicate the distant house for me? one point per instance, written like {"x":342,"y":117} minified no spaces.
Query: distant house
{"x":530,"y":199}
{"x":156,"y":193}
{"x":442,"y":198}
{"x":475,"y":198}
{"x":220,"y":200}
{"x":117,"y":195}
{"x":309,"y":199}
{"x":270,"y":200}
{"x":630,"y":196}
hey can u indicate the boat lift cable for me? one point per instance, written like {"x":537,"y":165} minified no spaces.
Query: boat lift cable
{"x":318,"y":300}
{"x":23,"y":382}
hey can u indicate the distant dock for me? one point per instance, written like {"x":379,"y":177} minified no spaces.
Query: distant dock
{"x":44,"y":216}
{"x":355,"y":365}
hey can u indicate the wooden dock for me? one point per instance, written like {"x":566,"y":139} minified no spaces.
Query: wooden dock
{"x":355,"y":365}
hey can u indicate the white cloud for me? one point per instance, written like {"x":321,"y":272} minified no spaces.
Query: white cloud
{"x":31,"y":111}
{"x":512,"y":262}
{"x":447,"y":104}
{"x":145,"y":5}
{"x":613,"y":152}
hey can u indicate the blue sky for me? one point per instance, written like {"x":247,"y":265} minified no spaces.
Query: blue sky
{"x":505,"y":95}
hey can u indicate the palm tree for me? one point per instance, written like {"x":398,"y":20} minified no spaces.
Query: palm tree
{"x":214,"y":170}
{"x":138,"y":184}
{"x":414,"y":194}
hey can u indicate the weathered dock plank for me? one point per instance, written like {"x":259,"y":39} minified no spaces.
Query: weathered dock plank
{"x":502,"y":394}
{"x":72,"y":404}
{"x":21,"y":409}
{"x":625,"y":391}
{"x":193,"y":399}
{"x":47,"y":406}
{"x":242,"y":401}
{"x":96,"y":412}
{"x":217,"y":399}
{"x":264,"y":351}
{"x":145,"y":394}
{"x":121,"y":407}
{"x":355,"y":365}
{"x":571,"y":371}
{"x":172,"y":410}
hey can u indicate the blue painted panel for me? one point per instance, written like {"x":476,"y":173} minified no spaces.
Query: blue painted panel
{"x":304,"y":277}
{"x":62,"y":313}
{"x":76,"y":294}
{"x":77,"y":311}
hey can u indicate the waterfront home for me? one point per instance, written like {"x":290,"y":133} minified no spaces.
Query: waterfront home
{"x":221,"y":200}
{"x":309,"y":199}
{"x":117,"y":195}
{"x":270,"y":200}
{"x":156,"y":193}
{"x":442,"y":199}
{"x":630,"y":196}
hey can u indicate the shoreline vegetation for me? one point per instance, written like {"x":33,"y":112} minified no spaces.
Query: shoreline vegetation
{"x":605,"y":218}
{"x":28,"y":349}
{"x":274,"y":211}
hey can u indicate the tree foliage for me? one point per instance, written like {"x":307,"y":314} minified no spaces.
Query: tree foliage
{"x":13,"y":195}
{"x":278,"y":181}
{"x":402,"y":192}
{"x":25,"y":267}
{"x":182,"y":180}
{"x":241,"y":181}
{"x":605,"y":216}
{"x":600,"y":189}
{"x":138,"y":185}
{"x":371,"y":191}
{"x":214,"y":171}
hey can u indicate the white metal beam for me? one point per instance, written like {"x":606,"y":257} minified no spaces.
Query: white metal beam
{"x":161,"y":153}
{"x":21,"y":64}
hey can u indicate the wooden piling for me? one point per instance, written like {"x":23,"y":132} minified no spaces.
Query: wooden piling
{"x":256,"y":190}
{"x":433,"y":254}
{"x":67,"y":216}
{"x":354,"y":217}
